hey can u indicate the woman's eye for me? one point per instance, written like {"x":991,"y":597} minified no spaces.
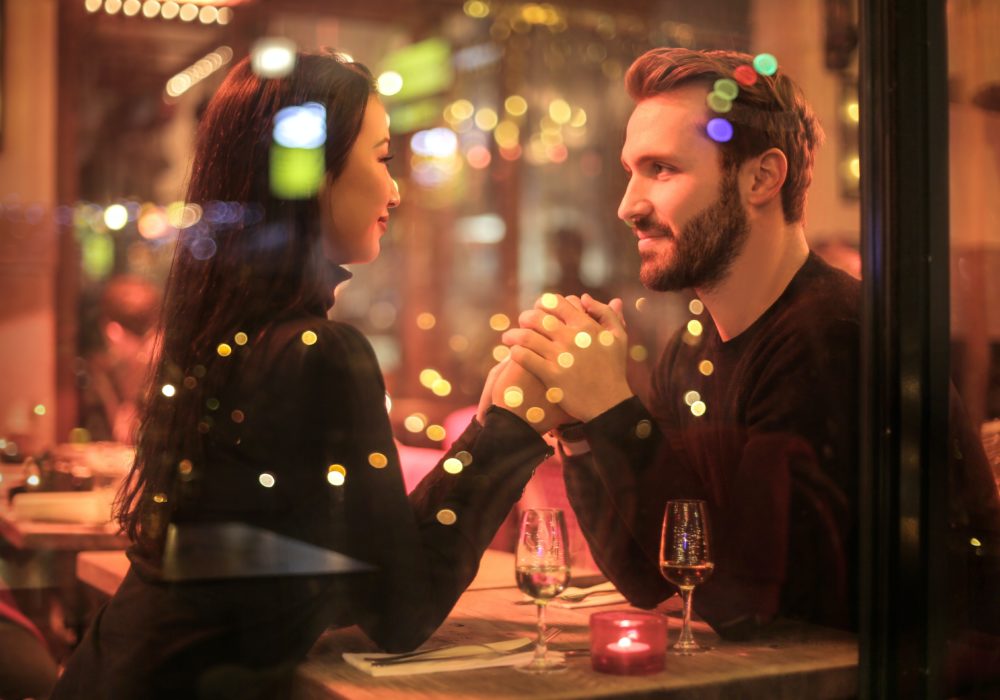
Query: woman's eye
{"x":386,"y":158}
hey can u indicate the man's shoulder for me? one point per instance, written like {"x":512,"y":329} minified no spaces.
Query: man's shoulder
{"x":825,"y":291}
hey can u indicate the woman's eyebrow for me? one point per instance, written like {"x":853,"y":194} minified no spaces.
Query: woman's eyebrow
{"x":385,"y":140}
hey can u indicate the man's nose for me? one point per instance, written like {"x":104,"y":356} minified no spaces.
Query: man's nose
{"x":634,"y":203}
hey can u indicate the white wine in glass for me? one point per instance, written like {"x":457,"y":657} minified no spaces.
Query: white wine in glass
{"x":686,"y":558}
{"x":542,"y":570}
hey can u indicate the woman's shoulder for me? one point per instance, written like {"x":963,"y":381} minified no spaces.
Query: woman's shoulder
{"x":312,"y":345}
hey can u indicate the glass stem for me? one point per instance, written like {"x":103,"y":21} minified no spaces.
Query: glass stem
{"x":540,"y":645}
{"x":686,"y":639}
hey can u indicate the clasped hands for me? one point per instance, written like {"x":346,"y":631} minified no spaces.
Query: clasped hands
{"x":567,"y":362}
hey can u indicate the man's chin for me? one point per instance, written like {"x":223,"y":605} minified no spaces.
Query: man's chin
{"x":658,"y":277}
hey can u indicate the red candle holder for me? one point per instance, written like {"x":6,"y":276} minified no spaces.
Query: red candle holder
{"x":627,"y":643}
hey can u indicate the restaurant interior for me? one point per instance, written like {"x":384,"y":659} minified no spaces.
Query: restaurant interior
{"x":507,"y":120}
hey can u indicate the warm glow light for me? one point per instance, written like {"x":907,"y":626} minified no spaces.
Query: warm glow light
{"x":112,"y":6}
{"x":476,"y":9}
{"x":208,"y":14}
{"x":643,"y":429}
{"x":266,"y":480}
{"x":336,"y":475}
{"x":428,"y":377}
{"x":640,"y":303}
{"x":153,"y":223}
{"x":513,"y":396}
{"x":698,"y":408}
{"x":638,"y":353}
{"x":461,"y":109}
{"x":93,"y":5}
{"x":115,"y":217}
{"x":241,"y":338}
{"x":130,"y":8}
{"x":583,"y":339}
{"x":695,"y":306}
{"x":507,"y":134}
{"x":225,"y":16}
{"x":151,"y":8}
{"x":168,"y":390}
{"x":706,"y":367}
{"x":691,"y":396}
{"x":436,"y":433}
{"x":224,"y":350}
{"x":854,"y":112}
{"x":442,"y":387}
{"x":309,"y":337}
{"x":694,"y":327}
{"x":499,"y":322}
{"x":453,"y":466}
{"x":550,"y":300}
{"x":389,"y":83}
{"x":501,"y":353}
{"x":415,"y":422}
{"x":535,"y":414}
{"x":579,"y":118}
{"x":426,"y":321}
{"x":169,"y":10}
{"x":377,"y":460}
{"x":272,"y":57}
{"x":550,"y":322}
{"x":446,"y":516}
{"x":565,"y":359}
{"x":486,"y":118}
{"x":515,"y":105}
{"x":188,"y":12}
{"x":554,"y":395}
{"x":606,"y":338}
{"x":854,"y":166}
{"x":560,"y":111}
{"x":479,"y":157}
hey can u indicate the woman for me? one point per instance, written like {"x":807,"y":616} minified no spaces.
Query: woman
{"x":265,"y":416}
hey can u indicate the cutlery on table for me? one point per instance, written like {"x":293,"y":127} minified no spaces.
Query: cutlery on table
{"x":466,"y":651}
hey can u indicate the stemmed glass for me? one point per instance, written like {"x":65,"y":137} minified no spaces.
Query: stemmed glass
{"x":542,"y":569}
{"x":686,"y":558}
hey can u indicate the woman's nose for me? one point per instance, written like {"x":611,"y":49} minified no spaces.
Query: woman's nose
{"x":394,"y":197}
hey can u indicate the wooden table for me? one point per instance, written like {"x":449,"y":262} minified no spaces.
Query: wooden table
{"x":793,"y":661}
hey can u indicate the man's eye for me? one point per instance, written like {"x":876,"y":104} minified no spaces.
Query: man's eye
{"x":661,"y":168}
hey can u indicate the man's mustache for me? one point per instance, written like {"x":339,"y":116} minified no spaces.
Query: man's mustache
{"x":650,"y":224}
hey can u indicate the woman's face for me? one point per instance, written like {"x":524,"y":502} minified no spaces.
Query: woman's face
{"x":355,"y":207}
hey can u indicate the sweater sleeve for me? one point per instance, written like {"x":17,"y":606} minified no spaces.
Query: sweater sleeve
{"x":425,"y":548}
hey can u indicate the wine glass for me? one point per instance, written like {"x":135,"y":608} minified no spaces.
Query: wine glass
{"x":686,"y":558}
{"x":542,"y":569}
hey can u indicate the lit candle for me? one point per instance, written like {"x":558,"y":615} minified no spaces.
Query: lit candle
{"x":627,"y":643}
{"x":626,"y":646}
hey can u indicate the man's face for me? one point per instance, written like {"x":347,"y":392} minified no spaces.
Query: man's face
{"x":685,"y":211}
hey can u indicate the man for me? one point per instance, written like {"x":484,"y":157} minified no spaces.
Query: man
{"x":757,"y":413}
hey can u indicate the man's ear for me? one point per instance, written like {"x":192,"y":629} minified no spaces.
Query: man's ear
{"x":764,"y":176}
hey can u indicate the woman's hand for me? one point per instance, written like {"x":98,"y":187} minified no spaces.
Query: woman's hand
{"x":521,"y":393}
{"x":577,"y":348}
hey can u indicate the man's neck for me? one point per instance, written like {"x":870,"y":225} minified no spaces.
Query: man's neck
{"x":756,"y":279}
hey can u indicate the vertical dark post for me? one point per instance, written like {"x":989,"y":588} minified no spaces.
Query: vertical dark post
{"x":904,"y":151}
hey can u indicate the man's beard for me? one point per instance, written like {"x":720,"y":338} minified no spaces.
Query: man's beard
{"x":706,"y":248}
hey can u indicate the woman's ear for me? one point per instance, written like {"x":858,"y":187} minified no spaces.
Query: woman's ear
{"x":764,"y":176}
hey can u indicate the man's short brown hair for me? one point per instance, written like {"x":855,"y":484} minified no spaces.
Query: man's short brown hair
{"x":771,"y":113}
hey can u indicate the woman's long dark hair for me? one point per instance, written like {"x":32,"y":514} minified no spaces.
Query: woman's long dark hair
{"x":252,"y":258}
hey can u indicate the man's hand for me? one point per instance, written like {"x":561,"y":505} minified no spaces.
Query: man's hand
{"x":581,"y":352}
{"x":520,"y":392}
